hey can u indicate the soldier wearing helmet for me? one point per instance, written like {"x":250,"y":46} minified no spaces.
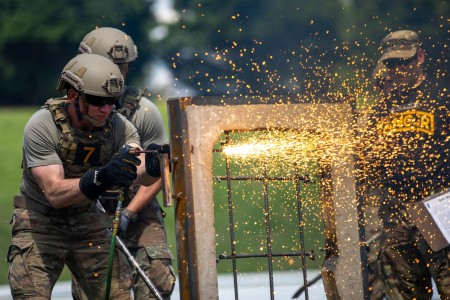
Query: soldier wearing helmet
{"x":93,"y":89}
{"x":142,"y":225}
{"x":70,"y":158}
{"x":111,"y":43}
{"x":407,"y":152}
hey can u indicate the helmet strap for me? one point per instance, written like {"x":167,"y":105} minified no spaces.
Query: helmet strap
{"x":77,"y":109}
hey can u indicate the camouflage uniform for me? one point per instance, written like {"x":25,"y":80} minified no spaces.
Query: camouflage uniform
{"x":146,"y":237}
{"x":146,"y":240}
{"x":408,"y":150}
{"x":47,"y":241}
{"x":411,"y":164}
{"x":45,"y":238}
{"x":406,"y":262}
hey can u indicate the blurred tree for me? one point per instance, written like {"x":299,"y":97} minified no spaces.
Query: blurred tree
{"x":38,"y":37}
{"x":219,"y":47}
{"x":249,"y":46}
{"x":270,"y":47}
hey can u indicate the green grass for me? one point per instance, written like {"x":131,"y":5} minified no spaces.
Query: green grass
{"x":12,"y":122}
{"x":247,"y":197}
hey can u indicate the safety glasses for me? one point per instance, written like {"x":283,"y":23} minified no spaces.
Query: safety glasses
{"x":99,"y":101}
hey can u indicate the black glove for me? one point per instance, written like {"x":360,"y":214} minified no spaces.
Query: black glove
{"x":120,"y":170}
{"x":152,"y":163}
{"x":126,"y":218}
{"x":123,"y":226}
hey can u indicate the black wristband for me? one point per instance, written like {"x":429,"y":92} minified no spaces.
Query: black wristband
{"x":90,"y":186}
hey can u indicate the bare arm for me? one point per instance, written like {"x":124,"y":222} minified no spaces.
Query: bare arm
{"x":60,"y":192}
{"x":144,"y":195}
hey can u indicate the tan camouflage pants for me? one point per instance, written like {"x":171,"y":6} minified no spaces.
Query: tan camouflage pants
{"x":161,"y":275}
{"x":42,"y":245}
{"x":146,"y":240}
{"x":406,"y":262}
{"x":159,"y":271}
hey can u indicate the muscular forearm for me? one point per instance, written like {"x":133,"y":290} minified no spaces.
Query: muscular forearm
{"x":144,"y":195}
{"x":65,"y":192}
{"x":60,"y":192}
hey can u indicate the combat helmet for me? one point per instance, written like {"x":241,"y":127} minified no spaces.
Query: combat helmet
{"x":92,"y":74}
{"x":111,"y":43}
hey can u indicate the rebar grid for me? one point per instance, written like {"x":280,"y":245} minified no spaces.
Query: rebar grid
{"x":297,"y":179}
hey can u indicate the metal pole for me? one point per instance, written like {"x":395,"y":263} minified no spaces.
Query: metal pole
{"x":138,"y":269}
{"x":301,"y":225}
{"x":128,"y":254}
{"x":231,"y":221}
{"x":268,"y":231}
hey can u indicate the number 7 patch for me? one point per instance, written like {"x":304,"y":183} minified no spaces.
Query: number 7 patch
{"x":87,"y":154}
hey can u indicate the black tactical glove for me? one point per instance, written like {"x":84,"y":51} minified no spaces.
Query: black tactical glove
{"x":126,"y":218}
{"x":152,"y":163}
{"x":120,"y":171}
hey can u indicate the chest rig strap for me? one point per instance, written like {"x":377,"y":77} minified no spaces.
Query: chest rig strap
{"x":129,"y":101}
{"x":79,"y":150}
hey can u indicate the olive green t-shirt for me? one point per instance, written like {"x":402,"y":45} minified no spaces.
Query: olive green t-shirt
{"x":149,"y":123}
{"x":40,"y":142}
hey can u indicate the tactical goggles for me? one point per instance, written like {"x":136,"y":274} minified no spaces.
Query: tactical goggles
{"x":393,"y":63}
{"x":99,"y":101}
